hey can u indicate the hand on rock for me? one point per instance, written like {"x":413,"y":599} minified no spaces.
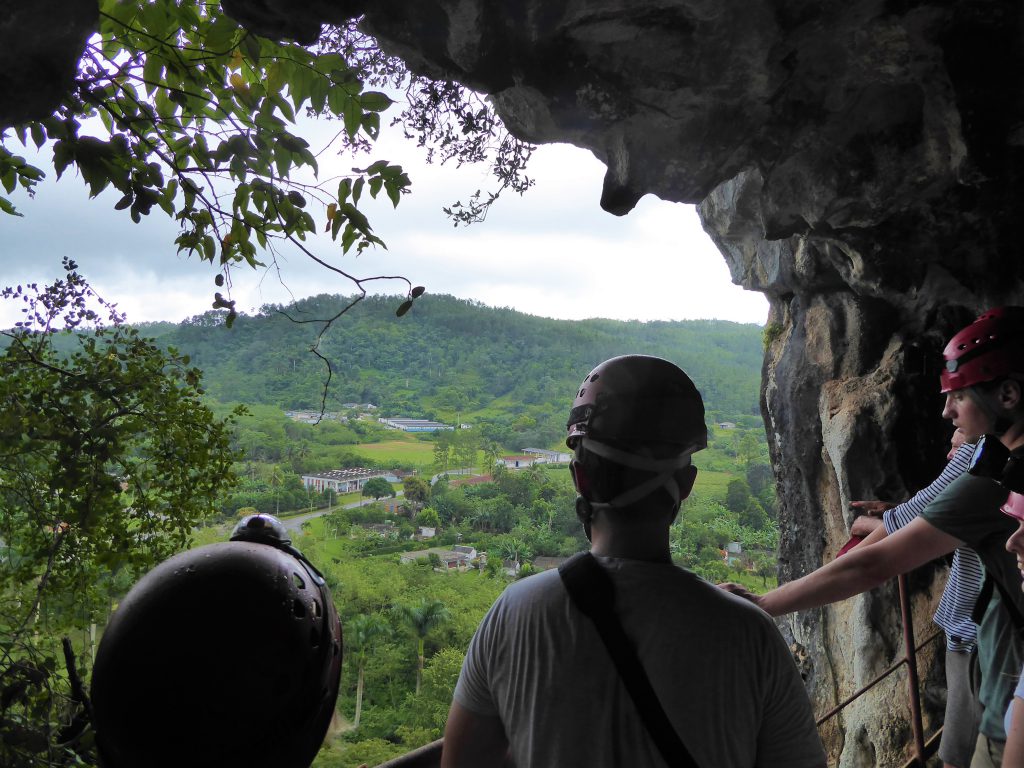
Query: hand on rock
{"x":873,"y":508}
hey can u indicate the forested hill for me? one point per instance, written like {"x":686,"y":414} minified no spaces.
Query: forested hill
{"x":453,"y":359}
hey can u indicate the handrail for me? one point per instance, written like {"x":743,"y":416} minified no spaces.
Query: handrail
{"x":922,"y":749}
{"x":429,"y":755}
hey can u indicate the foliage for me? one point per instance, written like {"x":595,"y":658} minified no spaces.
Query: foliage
{"x":108,"y":459}
{"x":423,"y":617}
{"x":177,"y":107}
{"x":362,"y":632}
{"x":451,"y":122}
{"x":416,"y":490}
{"x":378,"y":488}
{"x":429,"y":518}
{"x":509,"y":374}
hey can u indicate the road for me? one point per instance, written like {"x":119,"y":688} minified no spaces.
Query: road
{"x":295,"y":523}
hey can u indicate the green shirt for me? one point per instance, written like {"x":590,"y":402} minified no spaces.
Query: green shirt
{"x":968,"y":509}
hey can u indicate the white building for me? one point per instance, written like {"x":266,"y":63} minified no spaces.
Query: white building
{"x":519,"y":462}
{"x":415,"y":425}
{"x":549,"y":457}
{"x":345,"y":480}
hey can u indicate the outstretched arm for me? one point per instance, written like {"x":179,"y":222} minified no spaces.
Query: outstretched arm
{"x":472,"y":740}
{"x":861,"y":569}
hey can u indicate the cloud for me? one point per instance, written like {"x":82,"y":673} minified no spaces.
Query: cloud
{"x":550,"y":252}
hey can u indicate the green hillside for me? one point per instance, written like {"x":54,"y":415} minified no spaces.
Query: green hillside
{"x":451,"y":359}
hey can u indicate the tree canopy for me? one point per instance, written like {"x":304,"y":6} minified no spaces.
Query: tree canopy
{"x":108,"y":460}
{"x":378,"y":488}
{"x":180,"y":109}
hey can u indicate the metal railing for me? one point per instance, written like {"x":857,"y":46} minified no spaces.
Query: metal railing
{"x":922,"y":748}
{"x":429,"y":756}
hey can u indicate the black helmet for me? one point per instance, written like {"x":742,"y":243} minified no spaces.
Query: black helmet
{"x":638,"y":399}
{"x":632,"y":402}
{"x":226,"y":655}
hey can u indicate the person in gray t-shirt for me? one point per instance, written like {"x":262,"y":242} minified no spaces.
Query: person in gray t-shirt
{"x":539,"y":686}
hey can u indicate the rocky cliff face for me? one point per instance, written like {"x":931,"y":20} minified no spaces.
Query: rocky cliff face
{"x":858,"y":161}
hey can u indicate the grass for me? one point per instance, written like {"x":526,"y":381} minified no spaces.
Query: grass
{"x":412,"y":452}
{"x":712,"y":483}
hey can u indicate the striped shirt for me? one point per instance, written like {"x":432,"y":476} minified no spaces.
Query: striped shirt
{"x":965,"y":575}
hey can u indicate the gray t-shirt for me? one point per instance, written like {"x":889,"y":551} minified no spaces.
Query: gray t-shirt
{"x":717,"y":663}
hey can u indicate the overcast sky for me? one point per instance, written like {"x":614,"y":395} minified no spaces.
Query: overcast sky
{"x":551,"y":252}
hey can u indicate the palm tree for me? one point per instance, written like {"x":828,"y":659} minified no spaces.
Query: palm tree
{"x":360,"y":635}
{"x":510,"y":548}
{"x":423,"y":617}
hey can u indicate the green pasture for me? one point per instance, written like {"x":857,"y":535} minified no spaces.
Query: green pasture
{"x":413,"y":452}
{"x":712,"y":483}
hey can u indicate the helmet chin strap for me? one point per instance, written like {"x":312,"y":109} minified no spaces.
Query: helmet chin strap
{"x":666,"y":469}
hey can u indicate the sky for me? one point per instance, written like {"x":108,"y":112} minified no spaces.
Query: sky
{"x":551,"y":252}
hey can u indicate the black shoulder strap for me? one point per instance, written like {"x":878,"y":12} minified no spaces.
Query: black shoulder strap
{"x":984,"y":598}
{"x":1011,"y":607}
{"x":591,"y":590}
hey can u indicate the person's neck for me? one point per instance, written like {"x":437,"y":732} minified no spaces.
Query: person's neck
{"x":631,"y":546}
{"x":1013,"y":438}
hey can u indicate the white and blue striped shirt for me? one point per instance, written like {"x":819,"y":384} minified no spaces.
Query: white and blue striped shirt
{"x":966,"y":574}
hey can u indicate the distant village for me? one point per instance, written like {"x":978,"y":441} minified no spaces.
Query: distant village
{"x":458,"y":557}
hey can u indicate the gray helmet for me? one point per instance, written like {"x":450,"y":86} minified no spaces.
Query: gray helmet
{"x":633,"y":402}
{"x":226,"y":655}
{"x":638,"y":399}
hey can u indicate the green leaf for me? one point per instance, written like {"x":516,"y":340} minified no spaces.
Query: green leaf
{"x":404,"y":307}
{"x":353,"y":117}
{"x":7,"y":207}
{"x":275,"y":78}
{"x":250,"y":45}
{"x":344,"y":190}
{"x":374,"y":101}
{"x":38,"y":134}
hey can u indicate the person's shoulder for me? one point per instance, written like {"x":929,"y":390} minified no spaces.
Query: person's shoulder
{"x":680,"y":585}
{"x":981,"y":494}
{"x":533,"y":588}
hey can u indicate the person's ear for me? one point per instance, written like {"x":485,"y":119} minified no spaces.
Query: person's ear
{"x":684,"y":479}
{"x":579,"y":477}
{"x":1010,"y":394}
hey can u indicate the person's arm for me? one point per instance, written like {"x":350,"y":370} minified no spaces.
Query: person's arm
{"x":865,"y":525}
{"x":472,"y":740}
{"x":863,"y":568}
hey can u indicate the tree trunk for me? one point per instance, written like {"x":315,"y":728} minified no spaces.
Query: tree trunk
{"x":359,"y":698}
{"x":419,"y":667}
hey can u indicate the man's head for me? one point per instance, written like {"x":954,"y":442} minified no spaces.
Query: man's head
{"x":634,"y":424}
{"x":984,"y":367}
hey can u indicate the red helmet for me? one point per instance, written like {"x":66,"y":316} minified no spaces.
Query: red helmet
{"x":1014,"y":506}
{"x":989,"y":348}
{"x":638,"y":399}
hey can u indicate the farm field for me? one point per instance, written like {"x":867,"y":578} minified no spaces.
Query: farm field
{"x":413,"y":452}
{"x":713,"y":483}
